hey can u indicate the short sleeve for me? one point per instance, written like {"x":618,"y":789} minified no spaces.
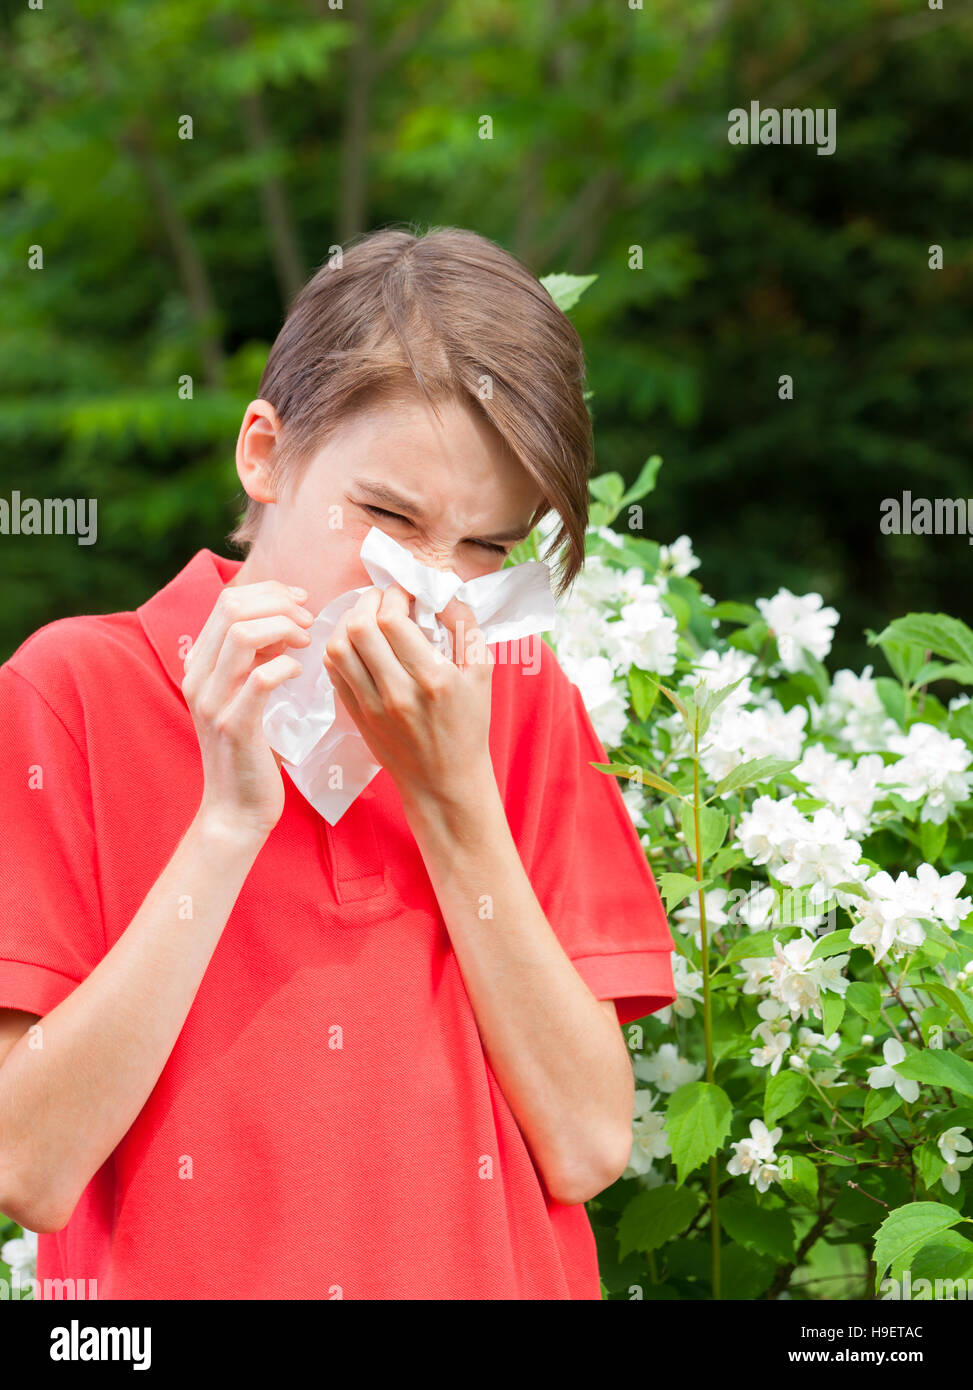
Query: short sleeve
{"x":589,"y":871}
{"x":51,"y":925}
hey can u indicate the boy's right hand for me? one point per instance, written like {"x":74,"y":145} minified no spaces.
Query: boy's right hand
{"x":237,"y":659}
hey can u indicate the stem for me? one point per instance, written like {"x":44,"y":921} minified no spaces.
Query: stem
{"x":707,"y":1012}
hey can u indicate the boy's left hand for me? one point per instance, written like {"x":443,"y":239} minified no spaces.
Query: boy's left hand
{"x":425,"y":718}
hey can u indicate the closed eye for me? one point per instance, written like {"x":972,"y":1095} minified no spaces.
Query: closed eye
{"x":395,"y":516}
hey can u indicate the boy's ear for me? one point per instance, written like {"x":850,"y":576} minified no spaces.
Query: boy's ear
{"x":255,"y":445}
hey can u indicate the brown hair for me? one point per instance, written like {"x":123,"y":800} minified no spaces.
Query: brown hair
{"x":445,"y":311}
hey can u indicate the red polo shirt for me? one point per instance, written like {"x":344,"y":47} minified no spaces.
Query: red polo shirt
{"x":329,"y":1086}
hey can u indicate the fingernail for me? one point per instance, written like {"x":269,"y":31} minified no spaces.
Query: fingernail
{"x":297,"y":591}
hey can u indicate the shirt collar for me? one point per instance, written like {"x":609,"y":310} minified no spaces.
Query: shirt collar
{"x":173,"y":618}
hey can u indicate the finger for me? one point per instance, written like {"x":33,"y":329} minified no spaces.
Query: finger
{"x":392,"y":682}
{"x":244,"y":714}
{"x":410,"y":645}
{"x":340,"y":657}
{"x":469,"y":645}
{"x":242,"y":643}
{"x":239,"y":604}
{"x":347,"y":696}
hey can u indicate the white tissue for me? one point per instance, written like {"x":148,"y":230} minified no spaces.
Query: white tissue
{"x":305,"y":721}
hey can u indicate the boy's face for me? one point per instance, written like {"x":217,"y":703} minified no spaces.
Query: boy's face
{"x":459,"y":499}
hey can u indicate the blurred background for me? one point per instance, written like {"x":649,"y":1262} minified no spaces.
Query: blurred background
{"x":313,"y":121}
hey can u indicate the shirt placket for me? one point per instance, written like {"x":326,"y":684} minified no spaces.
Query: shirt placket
{"x":353,"y":855}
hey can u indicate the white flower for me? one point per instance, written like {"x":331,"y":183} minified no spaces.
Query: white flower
{"x":850,"y":789}
{"x":799,"y":623}
{"x":678,"y":558}
{"x":932,"y":768}
{"x":775,"y":1044}
{"x":792,"y":979}
{"x":742,"y":734}
{"x":649,"y":1139}
{"x":665,"y":1069}
{"x":755,"y":1156}
{"x":952,"y":1144}
{"x":607,"y":534}
{"x":646,"y":634}
{"x":605,"y":701}
{"x":821,"y":857}
{"x":769,"y":830}
{"x":880,"y":1077}
{"x":854,"y":711}
{"x":634,"y":798}
{"x":21,"y":1255}
{"x":892,"y":913}
{"x":688,"y":983}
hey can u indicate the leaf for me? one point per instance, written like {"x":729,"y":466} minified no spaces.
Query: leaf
{"x":865,"y":999}
{"x":639,"y":775}
{"x":949,"y":996}
{"x":566,"y":290}
{"x":644,"y":483}
{"x":949,"y":1256}
{"x":833,"y":1011}
{"x":735,"y":613}
{"x":932,"y":838}
{"x":713,"y":825}
{"x":756,"y":770}
{"x":936,"y":671}
{"x":698,"y":1119}
{"x":680,"y":705}
{"x":766,"y":1230}
{"x":643,"y":692}
{"x":755,"y":946}
{"x":608,"y":488}
{"x":936,"y":1067}
{"x":880,"y":1103}
{"x":905,"y":1231}
{"x":935,"y":632}
{"x":833,"y":943}
{"x":802,"y":1186}
{"x":655,"y":1217}
{"x":930,"y":1163}
{"x":892,"y":697}
{"x":676,"y":887}
{"x":784,"y":1093}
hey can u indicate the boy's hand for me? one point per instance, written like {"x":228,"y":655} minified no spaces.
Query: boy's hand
{"x":237,"y":659}
{"x":425,"y":718}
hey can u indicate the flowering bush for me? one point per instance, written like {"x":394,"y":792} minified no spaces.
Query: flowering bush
{"x":802,"y":1110}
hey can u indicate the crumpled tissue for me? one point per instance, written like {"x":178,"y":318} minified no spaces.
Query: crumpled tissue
{"x":305,"y":720}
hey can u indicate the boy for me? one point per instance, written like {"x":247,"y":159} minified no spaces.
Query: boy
{"x":275,"y":1058}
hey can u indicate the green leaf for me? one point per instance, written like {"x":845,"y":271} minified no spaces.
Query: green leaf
{"x":833,"y":1011}
{"x":676,"y":887}
{"x":936,"y":671}
{"x":644,"y":483}
{"x":756,"y":770}
{"x":643,"y":692}
{"x":756,"y":946}
{"x":608,"y":488}
{"x":698,"y":1120}
{"x":767,"y":1230}
{"x":735,"y":613}
{"x":949,"y":1256}
{"x":935,"y":632}
{"x":784,"y":1093}
{"x":833,"y":943}
{"x":681,"y":706}
{"x":713,"y":825}
{"x":566,"y":290}
{"x":865,"y":999}
{"x":655,"y":1217}
{"x":904,"y":1232}
{"x":640,"y":776}
{"x":880,"y":1103}
{"x":936,"y":1067}
{"x":949,"y":997}
{"x":932,"y":838}
{"x":892,"y":697}
{"x":802,"y":1186}
{"x":930,"y":1162}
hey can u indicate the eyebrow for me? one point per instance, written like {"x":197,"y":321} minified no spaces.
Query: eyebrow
{"x":408,"y":505}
